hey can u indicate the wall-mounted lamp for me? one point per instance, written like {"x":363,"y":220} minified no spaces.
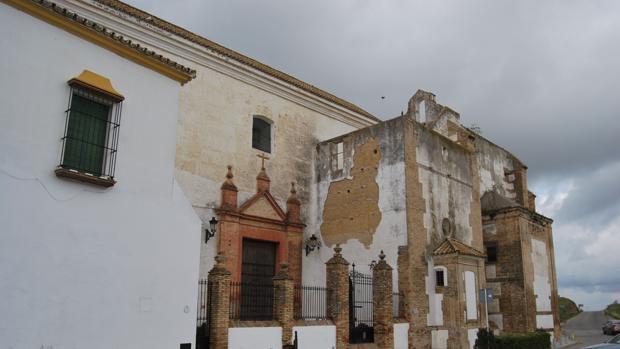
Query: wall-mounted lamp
{"x":372,"y":264}
{"x":209,"y":233}
{"x":312,"y":243}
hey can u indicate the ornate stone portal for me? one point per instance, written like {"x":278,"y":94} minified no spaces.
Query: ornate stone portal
{"x":260,"y":218}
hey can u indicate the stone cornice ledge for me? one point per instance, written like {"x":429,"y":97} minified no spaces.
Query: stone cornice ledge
{"x":172,"y":44}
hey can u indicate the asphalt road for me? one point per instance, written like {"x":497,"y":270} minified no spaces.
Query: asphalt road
{"x":587,"y":328}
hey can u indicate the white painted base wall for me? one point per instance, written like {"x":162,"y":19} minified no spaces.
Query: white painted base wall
{"x":255,"y":338}
{"x":439,"y":339}
{"x":472,"y":335}
{"x":401,"y":336}
{"x":315,"y":337}
{"x":544,"y":321}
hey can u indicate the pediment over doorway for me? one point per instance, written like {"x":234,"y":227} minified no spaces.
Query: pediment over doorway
{"x":263,"y":205}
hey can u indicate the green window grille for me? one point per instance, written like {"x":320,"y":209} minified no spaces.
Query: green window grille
{"x":91,"y":133}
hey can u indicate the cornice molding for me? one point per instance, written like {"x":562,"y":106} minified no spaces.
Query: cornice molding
{"x":177,"y":46}
{"x":61,"y":16}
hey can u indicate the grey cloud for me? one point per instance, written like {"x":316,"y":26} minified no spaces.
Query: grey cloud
{"x":595,"y":201}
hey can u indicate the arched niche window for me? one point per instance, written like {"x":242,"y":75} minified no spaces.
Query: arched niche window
{"x":261,"y":134}
{"x":441,"y":276}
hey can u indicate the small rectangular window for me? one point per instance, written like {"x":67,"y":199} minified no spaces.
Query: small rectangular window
{"x":337,"y":156}
{"x":439,"y":278}
{"x":492,"y":253}
{"x":87,"y":130}
{"x":91,"y":130}
{"x":340,"y":156}
{"x":261,"y":135}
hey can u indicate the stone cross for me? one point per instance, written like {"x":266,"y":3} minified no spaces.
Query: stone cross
{"x":263,"y":158}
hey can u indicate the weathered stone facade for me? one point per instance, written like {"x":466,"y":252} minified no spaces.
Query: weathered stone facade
{"x":446,"y":171}
{"x":522,"y":277}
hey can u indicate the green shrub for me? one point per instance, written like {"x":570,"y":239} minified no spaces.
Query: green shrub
{"x":568,"y":309}
{"x":613,"y":310}
{"x":532,"y":340}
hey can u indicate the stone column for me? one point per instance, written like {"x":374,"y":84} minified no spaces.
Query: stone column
{"x":284,"y":302}
{"x":219,"y":284}
{"x":382,"y":314}
{"x":337,"y":280}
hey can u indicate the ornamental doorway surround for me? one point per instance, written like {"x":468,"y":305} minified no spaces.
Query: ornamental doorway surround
{"x":259,"y":219}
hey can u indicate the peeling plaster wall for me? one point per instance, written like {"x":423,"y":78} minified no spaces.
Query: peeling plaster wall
{"x":446,"y":185}
{"x":351,"y":208}
{"x":391,"y":231}
{"x":215,"y":129}
{"x":493,"y":161}
{"x":445,"y":173}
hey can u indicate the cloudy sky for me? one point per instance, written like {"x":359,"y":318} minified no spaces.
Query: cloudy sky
{"x":541,"y":78}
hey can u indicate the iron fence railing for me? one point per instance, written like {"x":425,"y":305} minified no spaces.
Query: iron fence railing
{"x":203,"y":319}
{"x":250,"y":301}
{"x":361,"y":308}
{"x":310,"y":302}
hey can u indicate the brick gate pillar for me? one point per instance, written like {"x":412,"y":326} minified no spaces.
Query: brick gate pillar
{"x":337,"y":280}
{"x":284,"y":302}
{"x":382,"y":299}
{"x":219,"y":284}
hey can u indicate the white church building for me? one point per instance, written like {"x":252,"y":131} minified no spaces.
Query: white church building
{"x":98,"y":245}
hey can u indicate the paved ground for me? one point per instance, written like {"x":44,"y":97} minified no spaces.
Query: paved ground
{"x":587,"y":328}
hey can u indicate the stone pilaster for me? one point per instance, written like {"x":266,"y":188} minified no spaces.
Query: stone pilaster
{"x":337,"y":280}
{"x":229,"y":192}
{"x":403,"y":283}
{"x":219,"y":283}
{"x":417,"y":243}
{"x":284,"y":302}
{"x":382,"y":315}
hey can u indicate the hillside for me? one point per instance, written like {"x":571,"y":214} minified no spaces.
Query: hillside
{"x":613,"y":310}
{"x":568,"y":309}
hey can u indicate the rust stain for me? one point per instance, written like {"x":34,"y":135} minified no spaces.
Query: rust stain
{"x":352,"y":206}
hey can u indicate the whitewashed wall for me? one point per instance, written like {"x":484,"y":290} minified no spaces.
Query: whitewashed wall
{"x":82,"y":266}
{"x":472,"y":335}
{"x":255,"y":338}
{"x":401,"y":336}
{"x":542,"y":286}
{"x":315,"y":337}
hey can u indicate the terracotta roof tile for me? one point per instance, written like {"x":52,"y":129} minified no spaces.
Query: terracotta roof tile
{"x":106,"y":32}
{"x":453,"y":246}
{"x":172,"y":28}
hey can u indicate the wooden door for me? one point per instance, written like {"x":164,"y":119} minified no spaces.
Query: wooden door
{"x":257,"y":270}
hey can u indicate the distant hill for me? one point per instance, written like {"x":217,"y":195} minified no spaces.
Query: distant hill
{"x":568,"y":309}
{"x":613,"y":310}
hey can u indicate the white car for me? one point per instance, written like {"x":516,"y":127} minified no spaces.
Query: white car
{"x":613,"y":343}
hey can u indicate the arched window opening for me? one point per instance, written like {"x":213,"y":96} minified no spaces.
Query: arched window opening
{"x":261,"y":134}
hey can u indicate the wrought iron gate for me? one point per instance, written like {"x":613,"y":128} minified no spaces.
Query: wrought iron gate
{"x":203,"y":319}
{"x":360,"y":308}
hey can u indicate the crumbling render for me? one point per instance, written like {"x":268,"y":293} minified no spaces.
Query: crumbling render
{"x":351,"y":209}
